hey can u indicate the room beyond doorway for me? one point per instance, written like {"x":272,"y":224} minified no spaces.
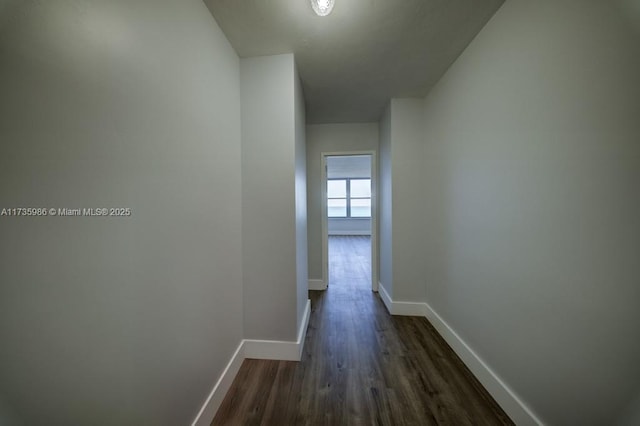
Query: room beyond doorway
{"x":349,"y":218}
{"x":349,"y":262}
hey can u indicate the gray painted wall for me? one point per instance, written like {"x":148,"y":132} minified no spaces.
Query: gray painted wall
{"x":532,"y":166}
{"x":408,"y":202}
{"x":385,"y":224}
{"x":349,"y":226}
{"x":270,"y":215}
{"x":121,"y":321}
{"x":329,"y":138}
{"x":302,"y":275}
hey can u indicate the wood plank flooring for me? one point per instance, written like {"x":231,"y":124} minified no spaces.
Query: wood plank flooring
{"x":360,"y":365}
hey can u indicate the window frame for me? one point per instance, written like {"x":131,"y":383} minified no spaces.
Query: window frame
{"x":348,"y":199}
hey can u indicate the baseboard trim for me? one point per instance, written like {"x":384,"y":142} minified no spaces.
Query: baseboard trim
{"x":271,"y":349}
{"x":253,"y":349}
{"x":408,"y":309}
{"x":411,"y":309}
{"x":302,"y":331}
{"x":386,"y":299}
{"x":317,"y":285}
{"x":216,"y":396}
{"x":515,"y":408}
{"x":278,"y":349}
{"x":349,"y":233}
{"x":504,"y":396}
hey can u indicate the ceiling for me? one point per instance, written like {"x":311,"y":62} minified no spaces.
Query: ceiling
{"x":361,"y":55}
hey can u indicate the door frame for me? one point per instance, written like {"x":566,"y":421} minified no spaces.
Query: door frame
{"x":374,"y":213}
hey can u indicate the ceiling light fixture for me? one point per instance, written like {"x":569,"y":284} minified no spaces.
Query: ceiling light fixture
{"x":322,"y":7}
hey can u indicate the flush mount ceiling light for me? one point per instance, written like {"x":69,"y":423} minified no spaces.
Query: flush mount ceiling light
{"x":322,"y":7}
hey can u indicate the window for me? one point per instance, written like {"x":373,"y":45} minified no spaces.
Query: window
{"x":349,"y":198}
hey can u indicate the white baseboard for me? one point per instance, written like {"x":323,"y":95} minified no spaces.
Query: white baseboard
{"x":302,"y":330}
{"x":386,"y":299}
{"x":317,"y":285}
{"x":409,"y":309}
{"x":256,"y":349}
{"x":515,"y":408}
{"x":216,"y":396}
{"x":504,"y":396}
{"x":349,"y":233}
{"x":280,"y":350}
{"x":271,"y":349}
{"x":412,"y":309}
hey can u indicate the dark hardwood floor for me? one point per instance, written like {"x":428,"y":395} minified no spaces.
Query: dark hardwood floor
{"x":360,"y":365}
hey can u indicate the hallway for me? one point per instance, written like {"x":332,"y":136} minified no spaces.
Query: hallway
{"x":360,"y":365}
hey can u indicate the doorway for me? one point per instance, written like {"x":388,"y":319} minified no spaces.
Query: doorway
{"x":349,"y":218}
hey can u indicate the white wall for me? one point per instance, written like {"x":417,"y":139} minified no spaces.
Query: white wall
{"x":329,"y":138}
{"x":349,"y":226}
{"x":302,"y":275}
{"x":532,"y":166}
{"x":402,"y":203}
{"x":385,"y":254}
{"x":270,"y":215}
{"x":121,"y":321}
{"x":408,"y":203}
